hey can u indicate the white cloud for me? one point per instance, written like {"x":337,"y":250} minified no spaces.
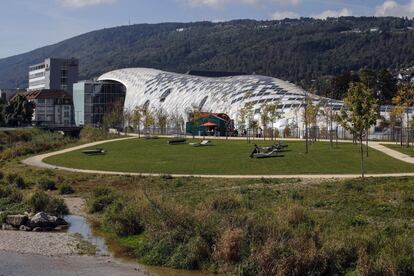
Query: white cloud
{"x":222,"y":3}
{"x":393,"y":8}
{"x":283,"y":15}
{"x":83,"y":3}
{"x":331,"y":13}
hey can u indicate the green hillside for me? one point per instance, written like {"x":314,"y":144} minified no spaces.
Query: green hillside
{"x":296,"y":50}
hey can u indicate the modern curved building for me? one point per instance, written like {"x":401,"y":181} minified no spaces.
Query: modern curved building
{"x":178,"y":94}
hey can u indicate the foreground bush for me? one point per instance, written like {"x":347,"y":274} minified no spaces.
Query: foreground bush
{"x":66,"y":189}
{"x":46,"y":184}
{"x":124,"y":219}
{"x":102,"y":198}
{"x":94,"y":134}
{"x":42,"y":202}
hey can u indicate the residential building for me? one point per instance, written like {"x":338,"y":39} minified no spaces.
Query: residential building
{"x":54,"y":74}
{"x":93,"y":99}
{"x":52,"y":107}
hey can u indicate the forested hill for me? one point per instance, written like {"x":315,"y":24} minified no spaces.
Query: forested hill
{"x":295,"y":50}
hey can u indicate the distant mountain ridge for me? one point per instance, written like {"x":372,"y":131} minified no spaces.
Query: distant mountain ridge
{"x":298,"y":50}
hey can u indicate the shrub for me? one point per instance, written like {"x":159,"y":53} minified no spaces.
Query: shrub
{"x":102,"y":198}
{"x":359,"y":220}
{"x":93,"y":134}
{"x":227,"y":249}
{"x":10,"y":178}
{"x":41,"y":202}
{"x":1,"y":175}
{"x":124,"y":219}
{"x":66,"y":189}
{"x":295,"y":195}
{"x":38,"y":202}
{"x":57,"y":207}
{"x":20,"y":183}
{"x":224,"y":203}
{"x":12,"y":194}
{"x":47,"y":184}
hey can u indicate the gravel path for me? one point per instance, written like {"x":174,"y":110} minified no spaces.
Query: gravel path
{"x":39,"y":243}
{"x":16,"y":264}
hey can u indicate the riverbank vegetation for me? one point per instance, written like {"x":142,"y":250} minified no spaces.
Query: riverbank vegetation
{"x":262,"y":227}
{"x":246,"y":226}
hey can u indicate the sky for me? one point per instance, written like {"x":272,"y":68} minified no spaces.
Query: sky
{"x":29,"y":24}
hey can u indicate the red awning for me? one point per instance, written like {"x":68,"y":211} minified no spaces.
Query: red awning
{"x":209,"y":124}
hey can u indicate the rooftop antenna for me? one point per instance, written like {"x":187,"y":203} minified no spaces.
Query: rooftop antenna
{"x":129,"y":21}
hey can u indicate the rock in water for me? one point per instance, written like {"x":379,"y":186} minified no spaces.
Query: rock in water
{"x":16,"y":220}
{"x":43,"y":220}
{"x":61,"y":221}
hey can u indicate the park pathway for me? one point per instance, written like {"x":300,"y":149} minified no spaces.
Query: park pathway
{"x":37,"y":161}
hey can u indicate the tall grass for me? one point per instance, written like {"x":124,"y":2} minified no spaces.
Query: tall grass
{"x":267,"y":232}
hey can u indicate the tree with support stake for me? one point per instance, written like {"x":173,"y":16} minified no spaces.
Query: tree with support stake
{"x":358,"y":114}
{"x":403,"y":102}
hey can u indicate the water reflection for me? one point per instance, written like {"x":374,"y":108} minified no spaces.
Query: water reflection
{"x":80,"y":225}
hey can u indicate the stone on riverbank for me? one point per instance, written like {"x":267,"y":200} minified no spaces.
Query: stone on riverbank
{"x":16,"y":220}
{"x":43,"y":220}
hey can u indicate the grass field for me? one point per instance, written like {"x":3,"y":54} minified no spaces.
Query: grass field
{"x":408,"y":151}
{"x":228,"y":157}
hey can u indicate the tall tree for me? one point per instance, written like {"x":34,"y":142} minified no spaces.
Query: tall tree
{"x":358,"y":113}
{"x":404,"y":101}
{"x":19,"y":111}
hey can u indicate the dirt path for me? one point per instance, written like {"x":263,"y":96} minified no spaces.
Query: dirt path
{"x":76,"y":205}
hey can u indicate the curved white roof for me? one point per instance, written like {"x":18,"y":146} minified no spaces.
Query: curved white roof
{"x":178,"y":93}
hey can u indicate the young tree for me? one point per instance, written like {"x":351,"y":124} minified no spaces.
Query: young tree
{"x":114,"y":118}
{"x":359,"y":112}
{"x":270,"y":113}
{"x":245,"y":116}
{"x":162,"y":119}
{"x":148,"y":119}
{"x":403,"y":101}
{"x":137,"y":117}
{"x":310,"y":114}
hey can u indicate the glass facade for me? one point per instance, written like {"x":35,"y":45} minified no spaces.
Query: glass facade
{"x":92,"y":100}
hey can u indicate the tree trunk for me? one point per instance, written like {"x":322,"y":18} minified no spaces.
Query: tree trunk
{"x":408,"y":130}
{"x":367,"y":142}
{"x":306,"y":138}
{"x":362,"y":157}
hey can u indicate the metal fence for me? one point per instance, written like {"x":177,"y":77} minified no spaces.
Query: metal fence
{"x":395,"y":134}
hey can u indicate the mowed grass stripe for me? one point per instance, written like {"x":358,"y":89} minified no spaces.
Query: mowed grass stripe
{"x":228,"y":157}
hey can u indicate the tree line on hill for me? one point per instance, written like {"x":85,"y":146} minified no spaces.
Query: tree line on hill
{"x":297,"y":50}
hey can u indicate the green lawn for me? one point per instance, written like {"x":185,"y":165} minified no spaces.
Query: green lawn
{"x":227,"y":157}
{"x":408,"y":151}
